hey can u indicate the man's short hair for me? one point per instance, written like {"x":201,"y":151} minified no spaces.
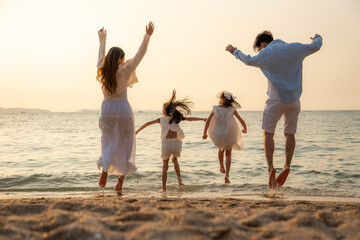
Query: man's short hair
{"x":265,"y":37}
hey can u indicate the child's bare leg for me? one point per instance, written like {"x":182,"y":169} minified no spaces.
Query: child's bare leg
{"x":103,"y":179}
{"x":228,"y":164}
{"x":221,"y":160}
{"x":177,"y":170}
{"x":118,"y":187}
{"x":164,"y":174}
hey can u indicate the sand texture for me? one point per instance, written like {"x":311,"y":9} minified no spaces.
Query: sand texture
{"x":113,"y":217}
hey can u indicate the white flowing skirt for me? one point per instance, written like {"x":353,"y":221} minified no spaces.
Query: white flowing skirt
{"x":225,"y":134}
{"x":118,"y":142}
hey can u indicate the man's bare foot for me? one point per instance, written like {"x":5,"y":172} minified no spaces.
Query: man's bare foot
{"x":283,"y":176}
{"x":227,"y":179}
{"x":272,"y":180}
{"x":222,"y":169}
{"x":118,"y":187}
{"x":180,"y":182}
{"x":103,"y":179}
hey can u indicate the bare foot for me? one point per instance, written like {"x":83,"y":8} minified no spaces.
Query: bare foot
{"x":227,"y":179}
{"x":283,"y":176}
{"x":103,"y":179}
{"x":118,"y":187}
{"x":180,"y":182}
{"x":272,"y":180}
{"x":222,"y":169}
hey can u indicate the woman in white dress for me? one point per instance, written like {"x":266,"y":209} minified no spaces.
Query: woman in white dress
{"x":117,"y":120}
{"x":223,"y":130}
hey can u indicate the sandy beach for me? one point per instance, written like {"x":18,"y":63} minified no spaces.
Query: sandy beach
{"x":115,"y":217}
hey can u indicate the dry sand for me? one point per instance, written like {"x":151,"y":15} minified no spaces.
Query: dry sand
{"x":113,"y":217}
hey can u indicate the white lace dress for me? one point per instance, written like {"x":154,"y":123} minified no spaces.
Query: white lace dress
{"x":118,"y":142}
{"x":223,"y":130}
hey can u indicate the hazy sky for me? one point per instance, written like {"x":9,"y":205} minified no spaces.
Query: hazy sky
{"x":48,"y":50}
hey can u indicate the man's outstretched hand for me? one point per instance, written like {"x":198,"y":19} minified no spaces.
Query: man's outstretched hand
{"x":316,"y":35}
{"x":230,"y":48}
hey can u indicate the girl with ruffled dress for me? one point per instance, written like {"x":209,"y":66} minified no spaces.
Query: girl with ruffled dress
{"x":223,"y":130}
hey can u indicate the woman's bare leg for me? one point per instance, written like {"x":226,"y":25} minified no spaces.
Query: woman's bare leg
{"x":103,"y":179}
{"x":118,"y":187}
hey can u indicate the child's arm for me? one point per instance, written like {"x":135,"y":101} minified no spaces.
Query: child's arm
{"x":207,"y":124}
{"x":147,"y":124}
{"x":195,"y":119}
{"x":241,"y":121}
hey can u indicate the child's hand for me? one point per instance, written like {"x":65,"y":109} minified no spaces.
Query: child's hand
{"x":137,"y":132}
{"x":205,"y":136}
{"x":204,"y":119}
{"x":244,"y":130}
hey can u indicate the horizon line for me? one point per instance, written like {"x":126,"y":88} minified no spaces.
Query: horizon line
{"x":152,"y":110}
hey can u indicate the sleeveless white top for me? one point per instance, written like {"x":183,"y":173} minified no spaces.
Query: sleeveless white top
{"x":223,"y":130}
{"x":166,"y":126}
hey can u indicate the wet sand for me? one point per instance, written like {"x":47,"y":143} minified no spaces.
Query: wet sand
{"x":114,"y":217}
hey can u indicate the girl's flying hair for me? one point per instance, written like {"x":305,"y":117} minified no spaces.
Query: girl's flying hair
{"x":228,"y":100}
{"x":177,"y":110}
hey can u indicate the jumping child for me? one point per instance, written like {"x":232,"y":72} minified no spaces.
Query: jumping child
{"x":223,"y":129}
{"x":171,"y":134}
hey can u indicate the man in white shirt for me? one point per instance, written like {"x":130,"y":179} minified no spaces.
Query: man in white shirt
{"x":281,"y":63}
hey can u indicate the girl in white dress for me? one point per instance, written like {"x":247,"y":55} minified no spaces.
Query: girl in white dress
{"x":117,"y":120}
{"x":223,"y":130}
{"x":171,"y":133}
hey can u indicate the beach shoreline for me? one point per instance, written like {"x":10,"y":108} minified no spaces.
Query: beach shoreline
{"x":264,"y":196}
{"x":128,"y":217}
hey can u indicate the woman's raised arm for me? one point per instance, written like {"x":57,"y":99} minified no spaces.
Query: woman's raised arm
{"x":102,"y":40}
{"x":134,"y":62}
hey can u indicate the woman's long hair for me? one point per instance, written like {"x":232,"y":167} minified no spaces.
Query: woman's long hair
{"x":106,"y":74}
{"x":228,"y":100}
{"x":177,"y":110}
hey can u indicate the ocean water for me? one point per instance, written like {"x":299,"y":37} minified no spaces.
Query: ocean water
{"x":54,"y":154}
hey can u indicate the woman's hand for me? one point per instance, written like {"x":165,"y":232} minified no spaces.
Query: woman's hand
{"x":244,"y":130}
{"x":102,"y":34}
{"x":150,"y":28}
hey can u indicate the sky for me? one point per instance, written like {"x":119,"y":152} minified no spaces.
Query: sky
{"x":49,"y":51}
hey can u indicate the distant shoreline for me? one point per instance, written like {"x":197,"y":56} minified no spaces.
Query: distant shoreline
{"x":38,"y":110}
